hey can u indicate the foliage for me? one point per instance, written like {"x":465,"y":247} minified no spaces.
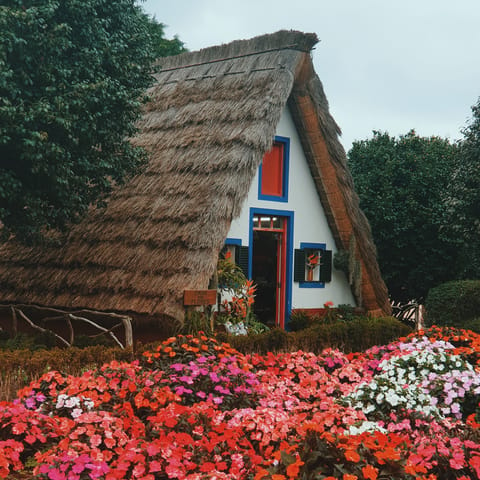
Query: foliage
{"x":162,"y":46}
{"x":238,"y":308}
{"x":401,"y":183}
{"x":22,"y":341}
{"x":453,"y":303}
{"x":356,"y":334}
{"x":341,"y":261}
{"x":473,"y":325}
{"x":72,"y":81}
{"x":310,"y":417}
{"x":301,"y":319}
{"x":229,"y":275}
{"x":197,"y":321}
{"x":463,"y":200}
{"x":238,"y":293}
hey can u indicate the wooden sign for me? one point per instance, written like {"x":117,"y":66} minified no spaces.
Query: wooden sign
{"x":199,"y":297}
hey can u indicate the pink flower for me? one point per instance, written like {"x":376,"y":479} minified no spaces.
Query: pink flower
{"x":177,"y":366}
{"x":55,"y":474}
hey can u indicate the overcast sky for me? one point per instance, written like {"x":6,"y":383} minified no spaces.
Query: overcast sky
{"x":389,"y":65}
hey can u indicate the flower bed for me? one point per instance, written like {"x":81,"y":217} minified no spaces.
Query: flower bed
{"x":198,"y":409}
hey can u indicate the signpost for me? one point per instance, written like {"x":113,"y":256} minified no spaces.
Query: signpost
{"x":199,"y":297}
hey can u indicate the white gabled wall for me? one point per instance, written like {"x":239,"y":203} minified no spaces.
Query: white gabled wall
{"x":310,"y":222}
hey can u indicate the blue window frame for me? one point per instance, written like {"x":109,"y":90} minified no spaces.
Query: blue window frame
{"x":283,"y":171}
{"x":312,"y":248}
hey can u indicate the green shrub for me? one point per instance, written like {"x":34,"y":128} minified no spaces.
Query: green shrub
{"x":354,"y":335}
{"x":30,"y":342}
{"x":196,"y":322}
{"x":472,"y":324}
{"x":453,"y":303}
{"x":299,"y":320}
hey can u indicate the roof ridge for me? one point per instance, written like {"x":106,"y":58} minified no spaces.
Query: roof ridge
{"x":281,"y":40}
{"x":233,"y":57}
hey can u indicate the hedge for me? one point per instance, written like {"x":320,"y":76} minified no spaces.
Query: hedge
{"x":453,"y":303}
{"x":354,"y":335}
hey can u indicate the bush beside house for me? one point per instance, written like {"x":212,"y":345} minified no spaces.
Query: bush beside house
{"x":454,"y":304}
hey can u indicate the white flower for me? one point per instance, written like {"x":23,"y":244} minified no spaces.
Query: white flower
{"x":393,"y":399}
{"x":72,"y":402}
{"x":76,"y":412}
{"x":61,"y":400}
{"x":366,"y":426}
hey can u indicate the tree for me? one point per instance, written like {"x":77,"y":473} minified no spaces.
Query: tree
{"x":401,"y":184}
{"x":72,"y":79}
{"x":463,"y":200}
{"x":162,"y":46}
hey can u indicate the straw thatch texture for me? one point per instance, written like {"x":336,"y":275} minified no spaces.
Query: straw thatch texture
{"x":211,"y":117}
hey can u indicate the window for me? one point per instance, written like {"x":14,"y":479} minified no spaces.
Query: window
{"x":313,"y":265}
{"x":273,"y":181}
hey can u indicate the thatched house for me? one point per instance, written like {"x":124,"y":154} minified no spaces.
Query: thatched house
{"x":213,"y":116}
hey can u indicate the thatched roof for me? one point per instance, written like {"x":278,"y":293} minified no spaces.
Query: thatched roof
{"x":212,"y":116}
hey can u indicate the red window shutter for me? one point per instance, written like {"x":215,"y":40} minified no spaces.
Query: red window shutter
{"x":272,"y":171}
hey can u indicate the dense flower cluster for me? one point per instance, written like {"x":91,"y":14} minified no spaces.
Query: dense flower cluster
{"x":196,"y":409}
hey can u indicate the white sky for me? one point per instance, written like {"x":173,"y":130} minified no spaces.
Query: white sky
{"x":389,"y":65}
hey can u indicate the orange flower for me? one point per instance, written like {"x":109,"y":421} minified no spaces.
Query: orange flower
{"x":294,"y":468}
{"x":262,"y":473}
{"x":370,"y":472}
{"x":352,"y":456}
{"x":348,"y":476}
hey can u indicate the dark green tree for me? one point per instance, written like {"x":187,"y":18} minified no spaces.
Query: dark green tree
{"x":72,"y":79}
{"x":401,"y":184}
{"x":463,"y":200}
{"x":163,"y":47}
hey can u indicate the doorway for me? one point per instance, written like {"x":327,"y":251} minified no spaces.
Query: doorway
{"x":269,"y":268}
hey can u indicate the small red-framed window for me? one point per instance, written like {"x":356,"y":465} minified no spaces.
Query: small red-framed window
{"x":274,"y":172}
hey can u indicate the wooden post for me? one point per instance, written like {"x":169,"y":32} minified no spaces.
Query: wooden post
{"x":127,"y":325}
{"x":14,"y":322}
